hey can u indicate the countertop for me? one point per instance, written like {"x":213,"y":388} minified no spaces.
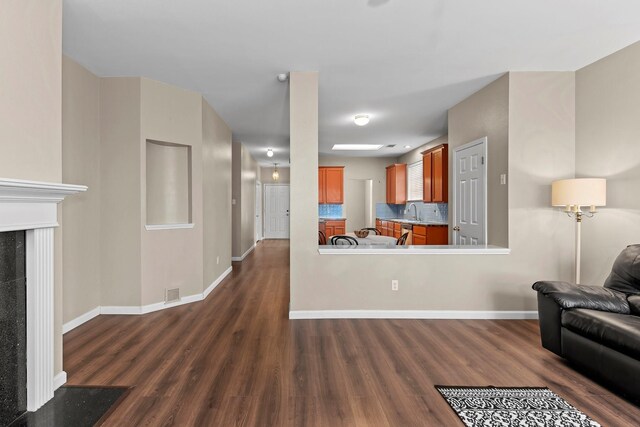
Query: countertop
{"x":331,"y":219}
{"x":413,"y":222}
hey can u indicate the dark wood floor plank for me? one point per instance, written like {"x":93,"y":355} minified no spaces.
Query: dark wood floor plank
{"x":236,"y":359}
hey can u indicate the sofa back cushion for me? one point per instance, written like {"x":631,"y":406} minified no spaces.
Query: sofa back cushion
{"x":625,"y":274}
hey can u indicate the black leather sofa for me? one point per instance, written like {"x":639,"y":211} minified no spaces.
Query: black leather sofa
{"x":597,"y":328}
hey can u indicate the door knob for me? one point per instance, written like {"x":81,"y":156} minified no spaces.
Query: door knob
{"x":456,"y":228}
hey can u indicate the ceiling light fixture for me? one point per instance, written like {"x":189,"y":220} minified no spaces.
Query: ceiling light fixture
{"x":407,"y":146}
{"x":283,"y":77}
{"x":356,"y":147}
{"x":275,"y":175}
{"x":269,"y":152}
{"x":361,"y":119}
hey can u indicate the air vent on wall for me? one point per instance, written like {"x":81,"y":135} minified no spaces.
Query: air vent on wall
{"x":172,"y":295}
{"x":391,"y":145}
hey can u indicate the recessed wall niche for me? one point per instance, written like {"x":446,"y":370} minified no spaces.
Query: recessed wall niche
{"x":168,"y":183}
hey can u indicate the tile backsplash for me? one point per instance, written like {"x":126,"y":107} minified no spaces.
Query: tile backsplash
{"x":430,"y":212}
{"x":330,"y":211}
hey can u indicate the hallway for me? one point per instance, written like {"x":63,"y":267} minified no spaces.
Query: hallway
{"x":236,"y":359}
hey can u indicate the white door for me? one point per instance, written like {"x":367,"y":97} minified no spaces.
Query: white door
{"x":276,"y":211}
{"x":258,"y":211}
{"x":470,"y":193}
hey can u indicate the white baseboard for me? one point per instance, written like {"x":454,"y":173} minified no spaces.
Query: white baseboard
{"x":216,"y":282}
{"x":59,"y":380}
{"x":244,"y":255}
{"x":137,"y":310}
{"x":410,"y":314}
{"x":83,"y":318}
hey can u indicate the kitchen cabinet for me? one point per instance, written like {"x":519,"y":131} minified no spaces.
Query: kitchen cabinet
{"x":386,"y":228}
{"x":435,"y":173}
{"x":430,"y":235}
{"x":331,"y":185}
{"x":334,"y":227}
{"x":397,"y":184}
{"x":397,"y":230}
{"x":437,"y":235}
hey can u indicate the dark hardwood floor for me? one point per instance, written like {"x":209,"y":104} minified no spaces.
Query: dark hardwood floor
{"x":236,"y":359}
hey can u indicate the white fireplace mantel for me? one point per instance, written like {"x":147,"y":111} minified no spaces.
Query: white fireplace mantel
{"x":27,"y":205}
{"x":32,"y":206}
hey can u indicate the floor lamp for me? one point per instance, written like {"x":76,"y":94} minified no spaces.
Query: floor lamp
{"x":573,"y":194}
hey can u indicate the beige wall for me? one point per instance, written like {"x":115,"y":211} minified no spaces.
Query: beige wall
{"x":245,"y":172}
{"x":486,"y":113}
{"x":120,"y":180}
{"x":540,"y":241}
{"x":607,"y":146}
{"x":30,"y":104}
{"x":31,"y":108}
{"x":81,"y":213}
{"x":172,"y":258}
{"x":266,"y":173}
{"x":216,"y":198}
{"x":114,"y":260}
{"x":415,"y":155}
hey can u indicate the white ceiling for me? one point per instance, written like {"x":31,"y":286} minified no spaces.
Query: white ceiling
{"x":404,"y":62}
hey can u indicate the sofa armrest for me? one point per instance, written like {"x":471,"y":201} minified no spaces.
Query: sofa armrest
{"x":567,"y":296}
{"x":550,"y":321}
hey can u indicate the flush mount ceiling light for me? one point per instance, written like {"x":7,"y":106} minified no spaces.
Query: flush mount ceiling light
{"x":269,"y":152}
{"x":361,"y":119}
{"x":283,"y":77}
{"x":356,"y":147}
{"x":407,"y":146}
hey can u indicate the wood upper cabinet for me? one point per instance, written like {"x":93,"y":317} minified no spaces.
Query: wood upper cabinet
{"x":321,"y":185}
{"x":331,"y":185}
{"x":435,"y":172}
{"x":397,"y":184}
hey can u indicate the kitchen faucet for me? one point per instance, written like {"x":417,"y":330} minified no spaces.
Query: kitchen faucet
{"x":416,"y":210}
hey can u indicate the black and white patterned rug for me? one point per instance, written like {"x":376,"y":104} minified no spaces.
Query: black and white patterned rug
{"x":507,"y":406}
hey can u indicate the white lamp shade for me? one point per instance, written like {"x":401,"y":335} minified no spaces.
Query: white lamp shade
{"x":579,"y":192}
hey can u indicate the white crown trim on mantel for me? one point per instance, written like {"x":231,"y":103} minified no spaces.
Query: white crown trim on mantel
{"x":32,"y":206}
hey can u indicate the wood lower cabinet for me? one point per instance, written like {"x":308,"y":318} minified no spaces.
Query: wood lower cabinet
{"x":430,"y":235}
{"x":397,"y":230}
{"x":331,"y":185}
{"x":383,"y":226}
{"x":322,"y":227}
{"x":437,"y":235}
{"x":334,"y":227}
{"x":435,"y":174}
{"x":397,"y":184}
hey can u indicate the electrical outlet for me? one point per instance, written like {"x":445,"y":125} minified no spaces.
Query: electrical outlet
{"x":218,"y":260}
{"x":394,"y":285}
{"x":503,"y":178}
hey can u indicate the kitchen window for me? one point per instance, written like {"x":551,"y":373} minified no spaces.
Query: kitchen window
{"x":414,"y":181}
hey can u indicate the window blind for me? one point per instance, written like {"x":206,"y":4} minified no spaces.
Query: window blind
{"x":414,"y":181}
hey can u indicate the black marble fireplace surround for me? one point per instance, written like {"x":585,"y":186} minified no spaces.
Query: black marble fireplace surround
{"x":13,"y":328}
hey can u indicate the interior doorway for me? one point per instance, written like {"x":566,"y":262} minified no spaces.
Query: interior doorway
{"x":258,"y":226}
{"x":470,"y":193}
{"x":276,"y":211}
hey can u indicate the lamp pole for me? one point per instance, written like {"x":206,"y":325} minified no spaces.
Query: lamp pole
{"x":578,"y":244}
